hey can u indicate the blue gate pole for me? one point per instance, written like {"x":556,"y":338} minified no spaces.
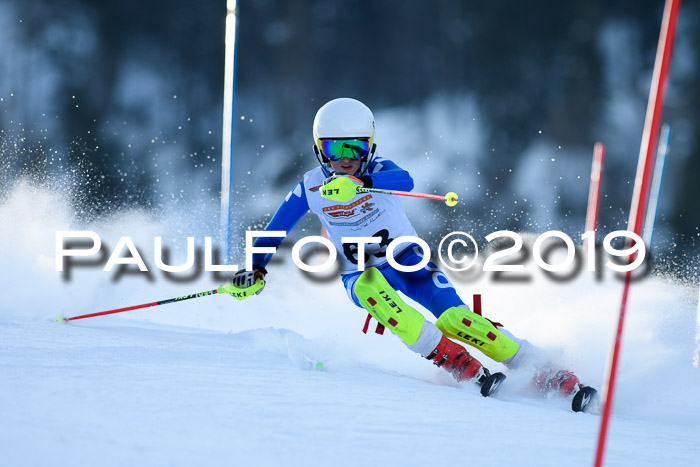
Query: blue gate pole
{"x":656,"y":184}
{"x":227,"y":184}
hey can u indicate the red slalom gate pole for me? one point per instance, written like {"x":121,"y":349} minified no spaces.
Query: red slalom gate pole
{"x":594,"y":188}
{"x":639,"y":196}
{"x":594,"y":192}
{"x":64,"y":319}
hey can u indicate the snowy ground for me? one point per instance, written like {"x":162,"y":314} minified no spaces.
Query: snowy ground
{"x":214,"y":381}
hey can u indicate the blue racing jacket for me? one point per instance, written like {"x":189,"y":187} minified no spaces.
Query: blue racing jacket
{"x":380,"y":212}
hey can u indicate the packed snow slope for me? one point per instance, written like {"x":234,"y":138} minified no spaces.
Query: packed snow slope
{"x":214,"y":381}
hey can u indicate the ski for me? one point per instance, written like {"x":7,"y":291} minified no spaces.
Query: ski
{"x":491,"y":383}
{"x":583,"y":398}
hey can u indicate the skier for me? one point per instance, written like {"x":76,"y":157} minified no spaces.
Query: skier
{"x":343,"y":132}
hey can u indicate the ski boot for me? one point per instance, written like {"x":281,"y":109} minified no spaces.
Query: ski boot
{"x":583,"y":396}
{"x":457,"y":361}
{"x":566,"y":384}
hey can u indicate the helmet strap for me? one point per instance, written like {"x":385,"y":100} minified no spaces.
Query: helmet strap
{"x":321,"y":160}
{"x":368,"y":160}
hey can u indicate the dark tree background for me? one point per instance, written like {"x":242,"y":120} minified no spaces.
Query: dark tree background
{"x":127,"y":96}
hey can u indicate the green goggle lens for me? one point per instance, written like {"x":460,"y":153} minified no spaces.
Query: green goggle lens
{"x":336,"y":149}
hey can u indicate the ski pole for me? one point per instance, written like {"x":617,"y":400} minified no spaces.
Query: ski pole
{"x":450,"y":198}
{"x":62,"y":319}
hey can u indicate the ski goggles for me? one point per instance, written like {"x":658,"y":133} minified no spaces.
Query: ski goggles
{"x":352,"y":148}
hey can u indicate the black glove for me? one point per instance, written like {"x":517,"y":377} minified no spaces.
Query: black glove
{"x":365,"y":179}
{"x":244,"y":279}
{"x":245,"y":283}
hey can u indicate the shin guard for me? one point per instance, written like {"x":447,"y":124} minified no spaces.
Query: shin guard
{"x":384,"y":304}
{"x":477,"y":331}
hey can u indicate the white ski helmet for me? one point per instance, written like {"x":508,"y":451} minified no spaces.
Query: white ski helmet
{"x":343,"y":118}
